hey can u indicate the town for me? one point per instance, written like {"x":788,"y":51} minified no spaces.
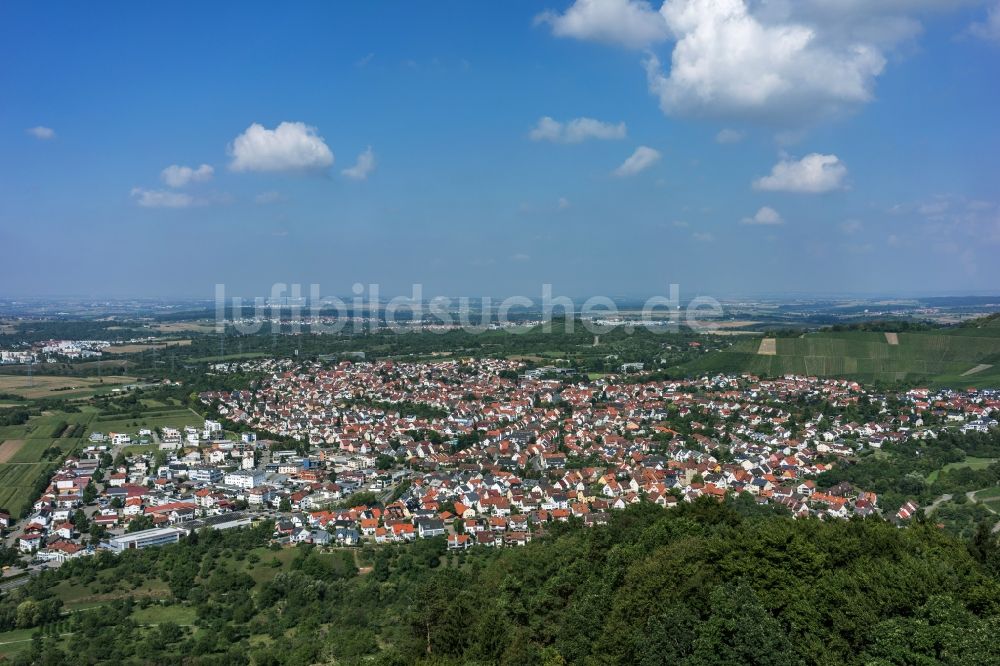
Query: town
{"x":479,"y":452}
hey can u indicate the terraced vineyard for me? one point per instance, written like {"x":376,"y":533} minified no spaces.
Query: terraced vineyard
{"x":31,"y":451}
{"x":949,"y":357}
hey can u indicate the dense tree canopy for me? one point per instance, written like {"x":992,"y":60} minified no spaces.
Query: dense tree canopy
{"x":705,"y":583}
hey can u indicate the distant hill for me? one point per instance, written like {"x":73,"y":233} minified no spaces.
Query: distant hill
{"x":968,"y":355}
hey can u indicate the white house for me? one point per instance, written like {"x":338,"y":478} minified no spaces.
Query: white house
{"x":244,"y":478}
{"x":120,"y":439}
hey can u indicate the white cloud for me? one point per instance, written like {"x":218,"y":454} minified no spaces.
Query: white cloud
{"x":179,"y":176}
{"x":288,"y":147}
{"x":729,"y":136}
{"x":563,"y":203}
{"x":643,"y":158}
{"x":990,"y":28}
{"x":363,"y":167}
{"x":40,"y":132}
{"x":813,"y":174}
{"x":576,"y":130}
{"x":703,"y":237}
{"x":765,"y":216}
{"x":778,"y":62}
{"x":162,"y":198}
{"x":520,"y":257}
{"x":727,"y":63}
{"x":629,"y":23}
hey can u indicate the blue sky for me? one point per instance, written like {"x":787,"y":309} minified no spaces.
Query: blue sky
{"x":770,"y":146}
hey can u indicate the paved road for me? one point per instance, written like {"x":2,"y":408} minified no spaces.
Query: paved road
{"x":934,"y":505}
{"x":32,"y":570}
{"x":8,"y":585}
{"x":971,"y":496}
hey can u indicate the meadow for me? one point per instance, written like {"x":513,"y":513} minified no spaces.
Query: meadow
{"x":55,"y":386}
{"x":169,"y":418}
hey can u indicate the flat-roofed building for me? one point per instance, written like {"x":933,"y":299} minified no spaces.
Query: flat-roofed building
{"x":159,"y":536}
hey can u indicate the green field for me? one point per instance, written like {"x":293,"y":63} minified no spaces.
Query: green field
{"x":15,"y":642}
{"x":937,"y":357}
{"x":17,"y":482}
{"x":35,"y":457}
{"x":80,"y":597}
{"x":990,"y":498}
{"x":988,"y":494}
{"x":970,"y":462}
{"x":228,"y":357}
{"x":174,"y":418}
{"x":60,"y":386}
{"x":158,"y":614}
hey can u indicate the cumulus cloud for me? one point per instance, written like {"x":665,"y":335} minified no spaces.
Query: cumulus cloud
{"x":629,"y":23}
{"x":729,"y":136}
{"x":765,"y":216}
{"x":780,"y":62}
{"x":813,"y":174}
{"x":576,"y":130}
{"x":364,"y":166}
{"x":179,"y":176}
{"x":42,"y":133}
{"x":727,"y":63}
{"x":288,"y":147}
{"x":643,"y":158}
{"x":990,"y":28}
{"x":162,"y":198}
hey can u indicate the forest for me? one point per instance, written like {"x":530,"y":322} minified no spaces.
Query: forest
{"x":705,"y":583}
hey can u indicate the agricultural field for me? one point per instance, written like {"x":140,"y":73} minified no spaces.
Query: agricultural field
{"x":228,"y":357}
{"x":938,"y":357}
{"x":50,"y":386}
{"x":185,"y":326}
{"x":17,"y":483}
{"x":33,"y":450}
{"x":141,"y":347}
{"x":172,"y":418}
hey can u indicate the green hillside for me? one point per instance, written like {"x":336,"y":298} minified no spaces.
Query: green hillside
{"x":948,"y":357}
{"x":704,"y":584}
